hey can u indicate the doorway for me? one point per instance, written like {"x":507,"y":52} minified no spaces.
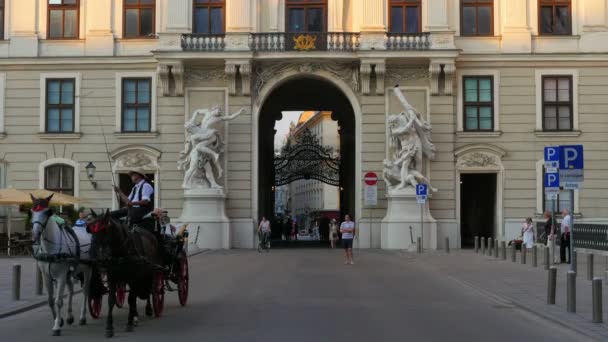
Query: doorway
{"x":477,"y":207}
{"x":125,"y":185}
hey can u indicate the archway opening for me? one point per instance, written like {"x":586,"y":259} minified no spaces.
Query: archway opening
{"x":316,"y":103}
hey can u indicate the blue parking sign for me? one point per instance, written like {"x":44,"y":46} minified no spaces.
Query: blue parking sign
{"x":571,"y":157}
{"x":552,"y":180}
{"x":421,"y":190}
{"x":552,"y":153}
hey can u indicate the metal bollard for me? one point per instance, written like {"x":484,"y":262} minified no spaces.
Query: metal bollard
{"x":598,"y":315}
{"x":534,"y":256}
{"x":16,"y":282}
{"x":490,"y":246}
{"x":503,"y":247}
{"x":419,"y":245}
{"x":483,"y":246}
{"x":496,"y":248}
{"x":38,"y":281}
{"x":547,"y":258}
{"x":447,"y":245}
{"x":574,"y":261}
{"x":477,"y":244}
{"x":513,"y":251}
{"x":590,"y":266}
{"x":551,"y":283}
{"x":524,"y":253}
{"x":571,"y":291}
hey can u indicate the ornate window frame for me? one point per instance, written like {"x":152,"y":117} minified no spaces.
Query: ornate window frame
{"x":126,"y":158}
{"x":54,"y":161}
{"x":482,"y":158}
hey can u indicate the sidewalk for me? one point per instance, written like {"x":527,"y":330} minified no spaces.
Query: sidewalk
{"x":28,"y":299}
{"x":526,"y":286}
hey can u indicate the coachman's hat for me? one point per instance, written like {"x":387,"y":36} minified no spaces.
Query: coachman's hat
{"x":138,"y":171}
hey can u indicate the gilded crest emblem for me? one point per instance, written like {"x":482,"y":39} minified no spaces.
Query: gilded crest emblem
{"x":304,"y":42}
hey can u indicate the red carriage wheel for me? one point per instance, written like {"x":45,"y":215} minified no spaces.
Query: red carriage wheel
{"x":158,"y":293}
{"x":182,"y":278}
{"x":95,"y":306}
{"x":121,"y":294}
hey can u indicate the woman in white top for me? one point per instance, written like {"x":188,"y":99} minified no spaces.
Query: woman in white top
{"x":333,"y":232}
{"x":347,"y":228}
{"x":264,"y":229}
{"x":527,"y":231}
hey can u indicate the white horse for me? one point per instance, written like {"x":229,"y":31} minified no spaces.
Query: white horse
{"x":59,"y":253}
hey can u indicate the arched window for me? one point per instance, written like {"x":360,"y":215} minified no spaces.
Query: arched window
{"x":59,"y":178}
{"x":306,"y":15}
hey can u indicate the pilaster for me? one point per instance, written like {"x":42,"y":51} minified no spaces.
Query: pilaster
{"x":163,"y":71}
{"x":380,"y":70}
{"x":365,"y":72}
{"x":24,"y":36}
{"x":369,"y":67}
{"x":230,"y":70}
{"x":241,"y":67}
{"x":245,"y":72}
{"x":100,"y":38}
{"x":168,"y":71}
{"x":373,"y":27}
{"x":239,"y":16}
{"x":437,"y":67}
{"x":516,"y":33}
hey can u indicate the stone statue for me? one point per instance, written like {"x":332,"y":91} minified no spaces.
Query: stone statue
{"x":200,"y":159}
{"x":409,"y":144}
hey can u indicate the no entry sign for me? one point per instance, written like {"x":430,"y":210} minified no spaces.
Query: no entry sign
{"x":370,"y":178}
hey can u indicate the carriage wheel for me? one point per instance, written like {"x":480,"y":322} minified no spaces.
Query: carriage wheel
{"x":158,"y":293}
{"x":182,"y":278}
{"x":95,"y":306}
{"x":121,"y":294}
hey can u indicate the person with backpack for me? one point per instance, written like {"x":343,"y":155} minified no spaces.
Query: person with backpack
{"x":139,"y":202}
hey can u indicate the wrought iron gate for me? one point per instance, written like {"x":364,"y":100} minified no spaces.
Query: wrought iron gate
{"x":306,"y":158}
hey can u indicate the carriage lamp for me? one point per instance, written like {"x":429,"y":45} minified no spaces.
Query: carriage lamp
{"x":91,"y":174}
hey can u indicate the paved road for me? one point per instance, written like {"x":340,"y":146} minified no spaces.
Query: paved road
{"x":309,"y":295}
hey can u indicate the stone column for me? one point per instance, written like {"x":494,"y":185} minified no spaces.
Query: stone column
{"x":179,"y":14}
{"x":335,"y":15}
{"x":437,"y":23}
{"x":99,"y":35}
{"x":516,"y":34}
{"x":239,"y":23}
{"x":595,"y":15}
{"x":24,"y":36}
{"x":373,"y":27}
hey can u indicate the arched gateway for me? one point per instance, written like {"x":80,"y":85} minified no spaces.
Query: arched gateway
{"x":307,"y":91}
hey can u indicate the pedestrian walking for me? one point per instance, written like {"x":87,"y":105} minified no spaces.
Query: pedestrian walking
{"x":264,"y":232}
{"x":333,"y":232}
{"x":527,"y":231}
{"x":347,"y":228}
{"x":565,"y":240}
{"x":316,"y":232}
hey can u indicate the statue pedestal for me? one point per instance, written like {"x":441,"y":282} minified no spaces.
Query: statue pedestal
{"x":205,"y":213}
{"x":404,"y":212}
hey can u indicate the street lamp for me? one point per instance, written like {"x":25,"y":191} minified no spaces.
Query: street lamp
{"x":91,"y":174}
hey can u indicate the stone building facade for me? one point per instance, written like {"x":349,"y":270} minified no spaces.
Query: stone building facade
{"x":112,"y":82}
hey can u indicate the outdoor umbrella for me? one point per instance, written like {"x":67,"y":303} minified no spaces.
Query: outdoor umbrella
{"x":58,"y":198}
{"x":12,"y":197}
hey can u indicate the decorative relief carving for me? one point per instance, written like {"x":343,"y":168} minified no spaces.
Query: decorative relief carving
{"x":477,"y":160}
{"x":205,"y":75}
{"x":136,"y":160}
{"x":398,"y":75}
{"x":230,"y":71}
{"x":347,"y":72}
{"x":365,"y":73}
{"x":163,"y":73}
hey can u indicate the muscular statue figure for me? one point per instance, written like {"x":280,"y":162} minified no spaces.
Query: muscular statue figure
{"x":200,"y":158}
{"x":410,"y":142}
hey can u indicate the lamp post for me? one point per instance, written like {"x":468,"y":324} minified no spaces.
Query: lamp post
{"x":91,"y":174}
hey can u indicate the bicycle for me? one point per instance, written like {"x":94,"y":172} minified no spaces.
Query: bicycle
{"x":264,"y":243}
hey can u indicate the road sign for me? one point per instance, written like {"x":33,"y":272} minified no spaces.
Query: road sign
{"x":571,"y":185}
{"x":551,"y":180}
{"x":550,"y":195}
{"x":421,"y":193}
{"x":552,"y":158}
{"x":371,"y":195}
{"x":370,"y":178}
{"x":571,"y":157}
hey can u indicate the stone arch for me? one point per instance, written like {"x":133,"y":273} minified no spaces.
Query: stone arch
{"x":136,"y":156}
{"x":481,"y":158}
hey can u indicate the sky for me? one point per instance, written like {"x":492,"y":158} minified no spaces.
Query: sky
{"x":282,"y":127}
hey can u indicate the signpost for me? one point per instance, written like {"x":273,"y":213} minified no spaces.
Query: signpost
{"x":371,"y":197}
{"x":564,"y":169}
{"x":421,"y":196}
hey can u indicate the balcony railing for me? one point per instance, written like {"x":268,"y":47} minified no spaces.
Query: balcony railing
{"x":408,"y":41}
{"x":203,"y":42}
{"x":304,"y":41}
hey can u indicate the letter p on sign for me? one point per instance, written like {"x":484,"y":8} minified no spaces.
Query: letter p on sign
{"x":571,"y":157}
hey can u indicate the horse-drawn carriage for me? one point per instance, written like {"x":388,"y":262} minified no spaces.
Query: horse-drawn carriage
{"x":123,"y":261}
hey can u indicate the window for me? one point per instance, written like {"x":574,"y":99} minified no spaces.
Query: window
{"x":136,"y":104}
{"x":405,"y":16}
{"x":557,"y":103}
{"x":2,"y":10}
{"x":60,"y":105}
{"x":139,"y":18}
{"x":477,"y":17}
{"x":59,"y":178}
{"x":209,"y":16}
{"x":306,"y":15}
{"x":63,"y":19}
{"x":555,"y":17}
{"x":478,"y":103}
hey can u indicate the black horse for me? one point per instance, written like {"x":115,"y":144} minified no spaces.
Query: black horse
{"x":128,"y":256}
